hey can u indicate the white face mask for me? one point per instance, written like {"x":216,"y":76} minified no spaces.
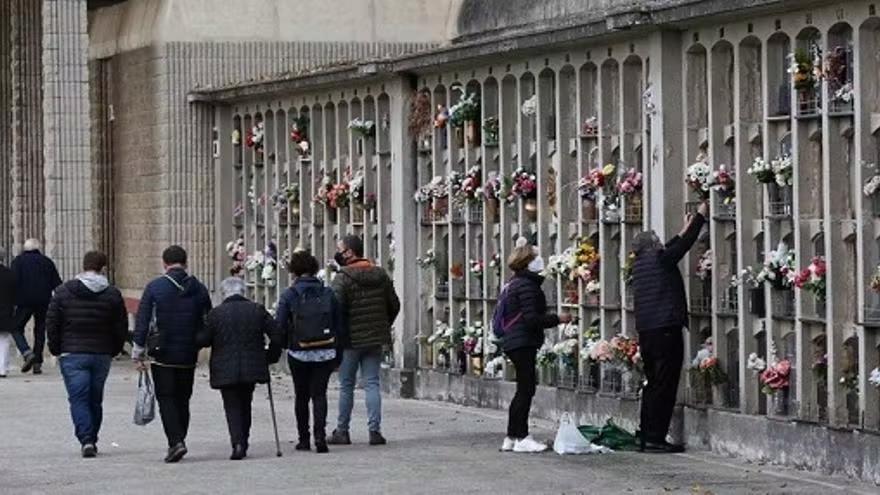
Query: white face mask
{"x":536,"y":265}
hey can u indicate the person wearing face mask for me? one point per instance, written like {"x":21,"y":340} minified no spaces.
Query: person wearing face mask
{"x":661,"y":312}
{"x":525,"y":323}
{"x":369,"y":305}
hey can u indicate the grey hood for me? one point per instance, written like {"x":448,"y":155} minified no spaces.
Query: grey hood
{"x":95,"y":282}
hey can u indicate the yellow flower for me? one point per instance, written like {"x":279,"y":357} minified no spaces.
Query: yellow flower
{"x":608,"y":170}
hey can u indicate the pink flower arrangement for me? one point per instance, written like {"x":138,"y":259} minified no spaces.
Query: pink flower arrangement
{"x":775,"y":376}
{"x":630,"y":183}
{"x":333,"y":195}
{"x":595,"y":181}
{"x":723,"y":183}
{"x":812,"y":278}
{"x":620,"y":350}
{"x":524,"y":185}
{"x":469,"y":187}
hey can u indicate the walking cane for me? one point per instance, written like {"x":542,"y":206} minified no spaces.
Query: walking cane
{"x":274,"y":422}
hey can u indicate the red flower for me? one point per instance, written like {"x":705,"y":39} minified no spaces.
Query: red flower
{"x":776,"y":376}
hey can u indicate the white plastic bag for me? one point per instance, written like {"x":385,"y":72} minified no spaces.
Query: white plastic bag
{"x":570,"y":441}
{"x":145,"y":407}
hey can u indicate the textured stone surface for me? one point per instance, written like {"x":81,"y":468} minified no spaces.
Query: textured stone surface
{"x":433,"y":448}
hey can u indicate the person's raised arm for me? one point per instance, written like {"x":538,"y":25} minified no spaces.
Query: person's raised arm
{"x":682,"y":243}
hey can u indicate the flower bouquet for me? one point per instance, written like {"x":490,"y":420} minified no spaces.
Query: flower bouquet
{"x":236,"y":137}
{"x":523,"y":185}
{"x":698,"y":177}
{"x":466,"y":109}
{"x":567,"y":351}
{"x":299,"y":133}
{"x":630,"y":183}
{"x":875,"y":280}
{"x":441,"y":117}
{"x":255,"y":136}
{"x":436,"y":188}
{"x":428,"y":260}
{"x":332,"y":195}
{"x":600,"y":179}
{"x":872,"y":185}
{"x":495,"y":367}
{"x":773,"y":374}
{"x":530,"y":106}
{"x":364,"y":128}
{"x":723,"y":183}
{"x":812,"y":278}
{"x":778,"y":269}
{"x":495,"y":263}
{"x":238,"y":254}
{"x":705,"y":367}
{"x":254,"y":262}
{"x":442,"y":335}
{"x":466,"y":189}
{"x":585,"y":263}
{"x":476,"y":268}
{"x":805,"y":73}
{"x":704,"y":265}
{"x":560,"y":266}
{"x":546,"y":356}
{"x":762,"y":171}
{"x":590,"y":126}
{"x":472,"y":342}
{"x":874,"y":378}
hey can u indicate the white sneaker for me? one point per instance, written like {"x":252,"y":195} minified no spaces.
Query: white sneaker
{"x":507,"y":445}
{"x":529,"y":445}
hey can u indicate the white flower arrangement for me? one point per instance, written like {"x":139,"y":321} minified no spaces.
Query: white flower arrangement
{"x":428,"y":260}
{"x":778,"y":268}
{"x":844,"y":93}
{"x":593,"y":287}
{"x":255,"y":262}
{"x":755,"y":363}
{"x":365,"y":128}
{"x":495,"y":367}
{"x":442,"y":333}
{"x":874,"y":378}
{"x":746,"y":278}
{"x":699,"y":175}
{"x":437,"y":188}
{"x":872,"y":186}
{"x":268,"y":273}
{"x":560,"y":265}
{"x":782,"y":168}
{"x":704,"y":265}
{"x":530,"y":106}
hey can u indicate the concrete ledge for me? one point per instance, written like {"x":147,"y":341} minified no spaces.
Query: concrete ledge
{"x":759,"y":439}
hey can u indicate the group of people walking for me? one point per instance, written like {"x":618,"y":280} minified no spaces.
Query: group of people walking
{"x":319,"y":328}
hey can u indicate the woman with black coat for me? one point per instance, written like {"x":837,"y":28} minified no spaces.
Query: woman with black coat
{"x":525,"y":321}
{"x":235,"y":331}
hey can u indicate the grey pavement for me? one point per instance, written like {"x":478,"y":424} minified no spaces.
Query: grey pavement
{"x":433,"y":448}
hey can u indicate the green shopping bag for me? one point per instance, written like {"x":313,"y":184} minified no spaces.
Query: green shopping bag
{"x":610,"y":435}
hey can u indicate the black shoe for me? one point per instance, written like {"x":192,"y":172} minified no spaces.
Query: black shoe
{"x":38,"y":368}
{"x":303,"y":445}
{"x":30,"y":359}
{"x":176,"y":453}
{"x":321,"y":447}
{"x":239,"y":452}
{"x":339,"y":438}
{"x":89,"y":450}
{"x":376,"y":438}
{"x":663,"y":447}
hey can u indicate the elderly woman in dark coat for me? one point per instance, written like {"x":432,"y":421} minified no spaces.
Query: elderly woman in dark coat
{"x":235,"y":331}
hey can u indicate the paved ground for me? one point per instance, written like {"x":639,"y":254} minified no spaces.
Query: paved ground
{"x":434,"y":448}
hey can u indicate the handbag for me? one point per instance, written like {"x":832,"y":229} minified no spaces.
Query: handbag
{"x":145,"y":406}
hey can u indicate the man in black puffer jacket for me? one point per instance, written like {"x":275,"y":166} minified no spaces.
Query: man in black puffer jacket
{"x":86,"y":324}
{"x":236,"y":331}
{"x":176,"y":305}
{"x":661,"y":313}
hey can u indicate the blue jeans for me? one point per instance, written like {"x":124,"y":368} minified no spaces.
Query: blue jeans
{"x":84,"y":377}
{"x":368,"y":360}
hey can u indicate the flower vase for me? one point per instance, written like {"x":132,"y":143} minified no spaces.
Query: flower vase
{"x":588,"y":210}
{"x":472,"y":132}
{"x":492,"y":210}
{"x":477,"y":365}
{"x":531,"y":209}
{"x":780,"y":402}
{"x":459,"y":136}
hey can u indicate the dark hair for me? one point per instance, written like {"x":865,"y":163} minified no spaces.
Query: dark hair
{"x":303,"y":263}
{"x":94,"y":261}
{"x":174,"y":255}
{"x":355,"y":244}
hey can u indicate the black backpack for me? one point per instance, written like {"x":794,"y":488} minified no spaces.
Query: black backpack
{"x":311,"y":320}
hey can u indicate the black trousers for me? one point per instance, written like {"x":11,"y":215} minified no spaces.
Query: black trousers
{"x":23,"y":314}
{"x":310,"y":384}
{"x":526,"y":383}
{"x":662,"y":354}
{"x":173,"y":391}
{"x":237,"y":405}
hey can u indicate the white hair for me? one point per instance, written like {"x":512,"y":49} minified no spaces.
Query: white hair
{"x":233,"y":286}
{"x":32,"y":245}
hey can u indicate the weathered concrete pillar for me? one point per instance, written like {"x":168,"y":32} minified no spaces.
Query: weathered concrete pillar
{"x":67,"y":145}
{"x":5,"y":127}
{"x":664,"y":173}
{"x":26,"y":120}
{"x":405,"y":216}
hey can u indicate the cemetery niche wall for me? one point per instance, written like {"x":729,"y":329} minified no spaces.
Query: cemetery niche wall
{"x":441,"y":161}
